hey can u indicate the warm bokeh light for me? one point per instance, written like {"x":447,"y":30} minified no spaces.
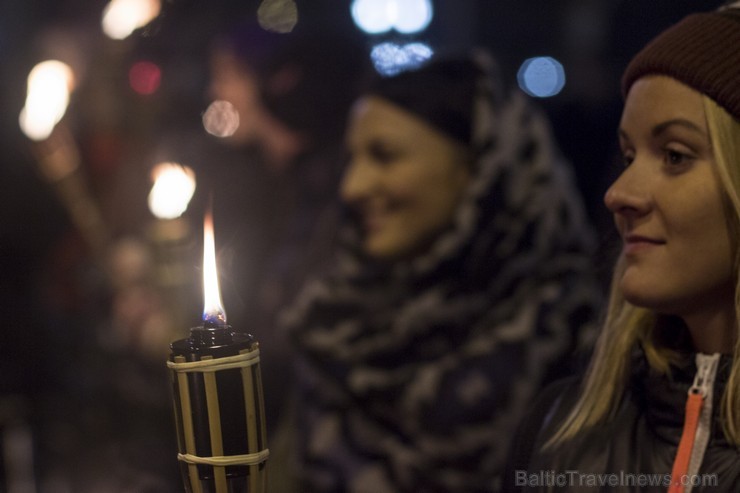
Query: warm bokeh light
{"x":173,"y":188}
{"x":221,"y":119}
{"x":213,"y":310}
{"x":541,"y":77}
{"x":379,"y":16}
{"x":390,"y":58}
{"x":47,"y":97}
{"x":122,"y":17}
{"x":278,"y":16}
{"x":144,"y":77}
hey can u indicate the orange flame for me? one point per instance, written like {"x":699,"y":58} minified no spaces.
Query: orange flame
{"x":213,"y":310}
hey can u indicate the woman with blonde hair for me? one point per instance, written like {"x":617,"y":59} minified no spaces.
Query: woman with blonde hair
{"x":659,"y":409}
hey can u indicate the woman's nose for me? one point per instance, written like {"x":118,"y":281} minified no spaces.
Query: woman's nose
{"x":356,"y":182}
{"x":629,"y":194}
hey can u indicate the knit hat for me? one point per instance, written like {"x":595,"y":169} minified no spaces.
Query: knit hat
{"x":440,"y":92}
{"x":701,"y":51}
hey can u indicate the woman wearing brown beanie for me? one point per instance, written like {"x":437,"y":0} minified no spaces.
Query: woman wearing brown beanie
{"x":659,"y":408}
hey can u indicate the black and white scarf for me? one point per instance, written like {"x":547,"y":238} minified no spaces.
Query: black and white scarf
{"x":412,"y":377}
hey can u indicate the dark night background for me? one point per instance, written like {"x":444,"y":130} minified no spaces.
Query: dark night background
{"x":117,"y":130}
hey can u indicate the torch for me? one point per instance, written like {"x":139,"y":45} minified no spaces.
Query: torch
{"x":49,"y":86}
{"x":218,"y":400}
{"x":170,"y":235}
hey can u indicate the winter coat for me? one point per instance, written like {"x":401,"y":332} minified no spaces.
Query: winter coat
{"x":634,"y":451}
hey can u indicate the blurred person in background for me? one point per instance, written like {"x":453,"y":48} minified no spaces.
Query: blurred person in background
{"x":463,"y":283}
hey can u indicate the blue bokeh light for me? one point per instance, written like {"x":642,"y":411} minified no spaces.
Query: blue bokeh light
{"x":373,"y":16}
{"x":541,"y":77}
{"x":379,"y":16}
{"x":391,"y":58}
{"x":412,"y":16}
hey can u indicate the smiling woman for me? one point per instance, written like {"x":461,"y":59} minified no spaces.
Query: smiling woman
{"x":463,"y":284}
{"x":404,"y":178}
{"x":662,"y":395}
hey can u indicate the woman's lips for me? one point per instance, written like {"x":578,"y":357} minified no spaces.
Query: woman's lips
{"x":373,"y":220}
{"x":636,"y":243}
{"x":375,"y":217}
{"x":372,"y":223}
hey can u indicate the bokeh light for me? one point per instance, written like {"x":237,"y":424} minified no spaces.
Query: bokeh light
{"x":144,"y":77}
{"x":412,"y":15}
{"x":373,"y":16}
{"x":278,"y":16}
{"x":391,"y":58}
{"x":47,"y":97}
{"x":379,"y":16}
{"x":221,"y":119}
{"x":122,"y":17}
{"x":173,"y":188}
{"x":541,"y":77}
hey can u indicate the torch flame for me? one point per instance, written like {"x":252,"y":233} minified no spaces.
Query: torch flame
{"x":49,"y":86}
{"x":122,"y":17}
{"x":173,"y":188}
{"x":213,"y":310}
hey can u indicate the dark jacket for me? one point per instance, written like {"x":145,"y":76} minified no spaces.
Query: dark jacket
{"x":634,"y":452}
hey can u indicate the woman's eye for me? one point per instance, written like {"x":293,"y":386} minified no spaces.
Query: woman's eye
{"x":677,"y":158}
{"x":382,"y":154}
{"x":627,"y":159}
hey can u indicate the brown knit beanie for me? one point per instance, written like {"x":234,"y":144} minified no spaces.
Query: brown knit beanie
{"x":702,"y":51}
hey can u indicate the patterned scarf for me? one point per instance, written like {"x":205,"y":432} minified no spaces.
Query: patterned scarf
{"x":412,"y":376}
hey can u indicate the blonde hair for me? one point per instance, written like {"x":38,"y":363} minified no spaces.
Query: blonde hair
{"x":627,"y":326}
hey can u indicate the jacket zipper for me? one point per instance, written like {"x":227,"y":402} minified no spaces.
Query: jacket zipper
{"x":697,"y":425}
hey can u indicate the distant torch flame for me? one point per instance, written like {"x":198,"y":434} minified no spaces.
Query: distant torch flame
{"x":173,"y":188}
{"x":47,"y":97}
{"x":213,"y":310}
{"x":122,"y":17}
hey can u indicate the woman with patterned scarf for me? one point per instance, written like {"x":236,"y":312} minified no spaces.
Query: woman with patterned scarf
{"x":462,"y":285}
